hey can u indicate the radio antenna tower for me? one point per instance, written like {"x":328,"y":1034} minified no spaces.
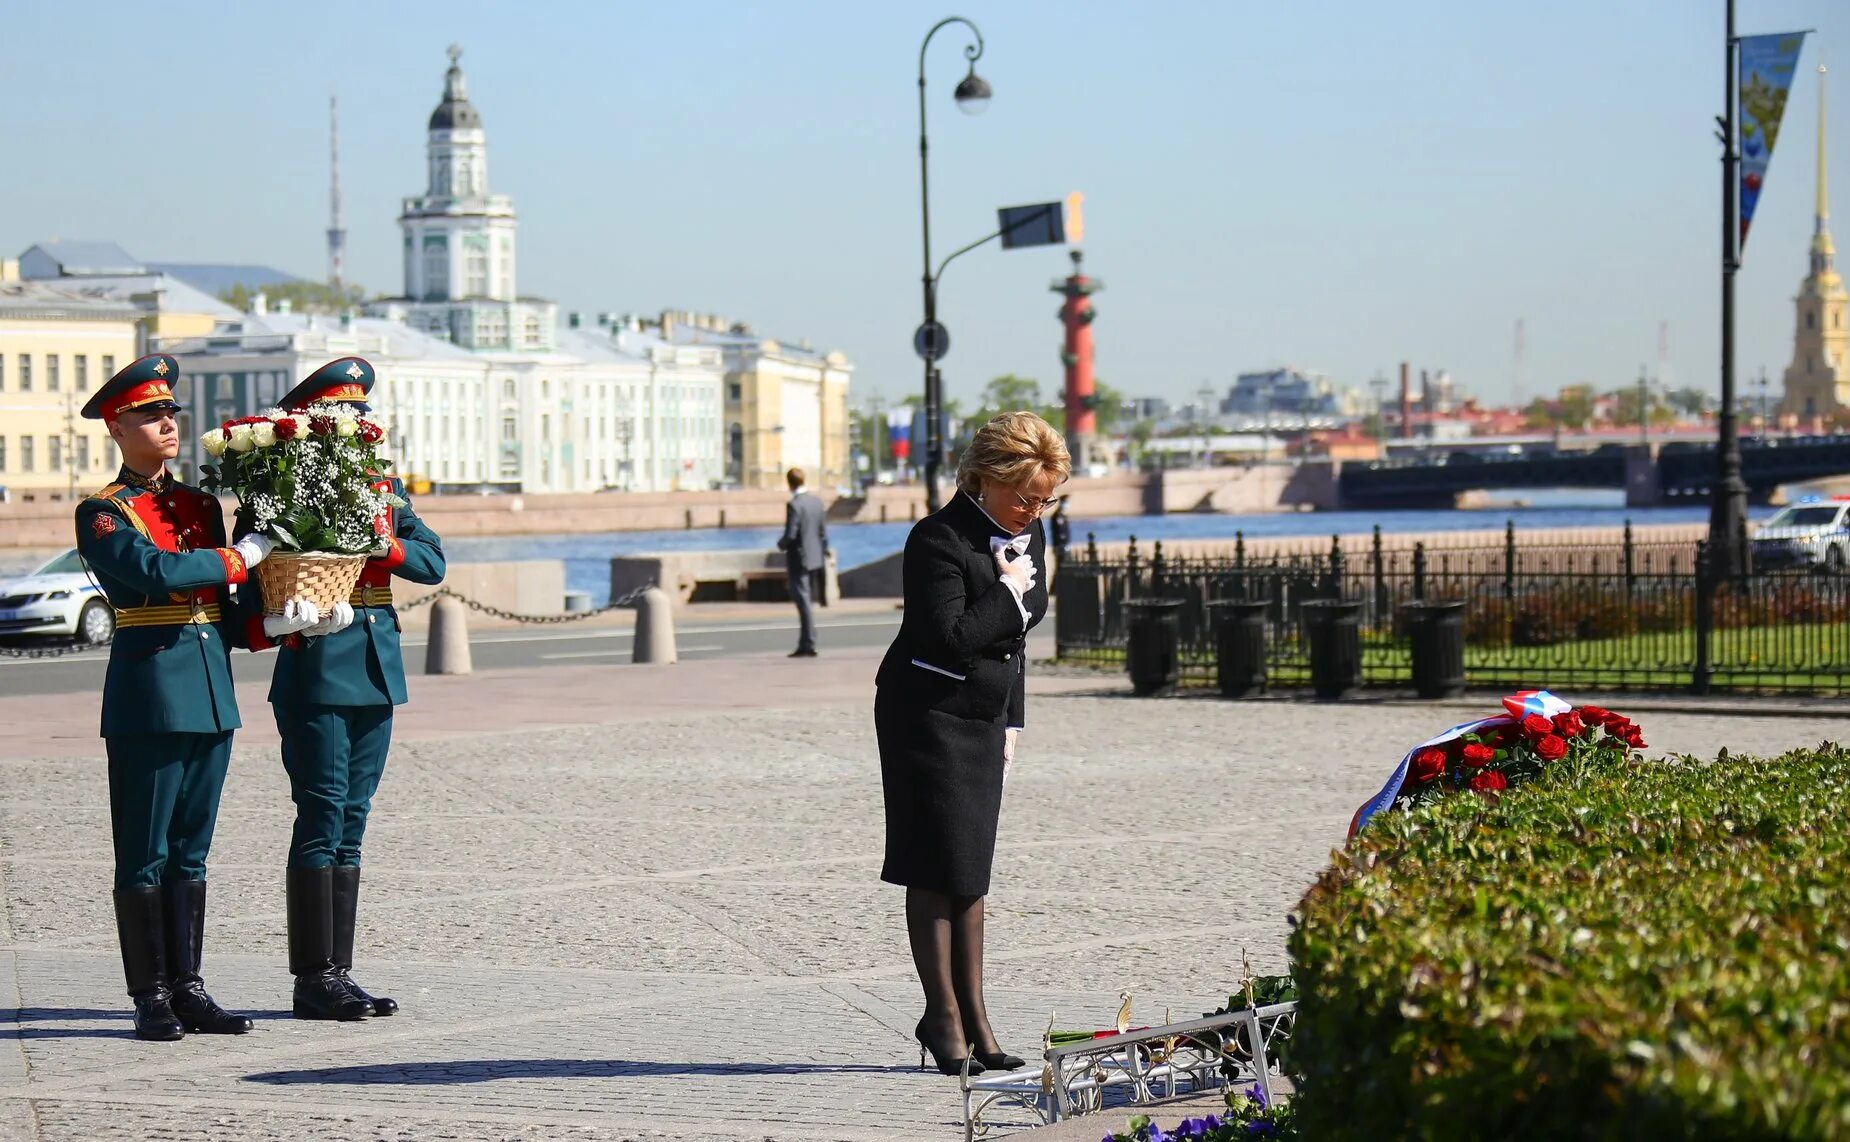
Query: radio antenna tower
{"x":1663,"y":356}
{"x":337,"y":226}
{"x":1516,"y":371}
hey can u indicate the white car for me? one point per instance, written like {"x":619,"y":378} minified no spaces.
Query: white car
{"x":1811,"y":533}
{"x":57,"y":599}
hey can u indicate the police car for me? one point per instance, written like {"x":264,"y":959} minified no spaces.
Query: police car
{"x":1814,"y":532}
{"x":57,"y":599}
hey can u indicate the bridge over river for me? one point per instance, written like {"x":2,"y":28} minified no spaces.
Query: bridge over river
{"x":1650,"y":474}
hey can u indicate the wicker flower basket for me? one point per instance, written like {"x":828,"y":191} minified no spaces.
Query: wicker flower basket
{"x":326,"y":577}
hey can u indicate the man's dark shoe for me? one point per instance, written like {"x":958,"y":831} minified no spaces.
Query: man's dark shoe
{"x":803,"y":652}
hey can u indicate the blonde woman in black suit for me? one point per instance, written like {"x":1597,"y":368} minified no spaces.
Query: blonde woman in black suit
{"x":949,"y":708}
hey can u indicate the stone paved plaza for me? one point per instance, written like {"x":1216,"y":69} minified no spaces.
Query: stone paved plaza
{"x":653,"y":911}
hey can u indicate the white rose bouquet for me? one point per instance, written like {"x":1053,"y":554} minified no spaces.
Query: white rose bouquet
{"x":305,"y":479}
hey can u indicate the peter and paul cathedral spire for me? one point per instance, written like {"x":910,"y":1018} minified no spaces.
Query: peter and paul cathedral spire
{"x":1817,"y":382}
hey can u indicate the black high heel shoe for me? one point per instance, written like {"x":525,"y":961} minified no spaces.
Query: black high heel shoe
{"x":998,"y":1060}
{"x":945,"y":1066}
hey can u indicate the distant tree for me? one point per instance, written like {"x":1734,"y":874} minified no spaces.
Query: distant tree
{"x":1374,"y":426}
{"x":1575,"y":408}
{"x":1010,"y":393}
{"x":1625,"y":408}
{"x":1691,"y":402}
{"x":303,"y":297}
{"x":1539,"y":415}
{"x":1108,"y":407}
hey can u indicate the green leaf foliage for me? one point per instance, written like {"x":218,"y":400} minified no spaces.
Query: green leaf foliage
{"x":1617,"y":950}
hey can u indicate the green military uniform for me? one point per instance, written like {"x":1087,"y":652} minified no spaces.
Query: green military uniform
{"x":333,"y":697}
{"x":157,"y":549}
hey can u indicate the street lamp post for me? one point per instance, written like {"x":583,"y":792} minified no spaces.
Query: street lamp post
{"x":1728,"y":497}
{"x":972,"y":96}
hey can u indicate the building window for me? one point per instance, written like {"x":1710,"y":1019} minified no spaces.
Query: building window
{"x":26,"y":460}
{"x":436,"y":268}
{"x":82,"y":463}
{"x":507,"y":389}
{"x":25,"y":376}
{"x":54,"y":451}
{"x":83,"y":372}
{"x":109,"y":366}
{"x":2,"y":453}
{"x":1811,"y":321}
{"x":509,"y":430}
{"x":2,"y":372}
{"x":475,"y":266}
{"x":51,"y":376}
{"x":545,"y":389}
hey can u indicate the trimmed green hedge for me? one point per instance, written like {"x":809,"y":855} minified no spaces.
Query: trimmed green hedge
{"x":1615,"y":951}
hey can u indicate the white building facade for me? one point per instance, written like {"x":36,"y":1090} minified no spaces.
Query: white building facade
{"x":621,"y":410}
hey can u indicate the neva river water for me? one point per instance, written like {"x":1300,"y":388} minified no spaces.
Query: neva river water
{"x":587,"y":557}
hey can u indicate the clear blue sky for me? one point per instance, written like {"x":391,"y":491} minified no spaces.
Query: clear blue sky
{"x":1341,"y":185}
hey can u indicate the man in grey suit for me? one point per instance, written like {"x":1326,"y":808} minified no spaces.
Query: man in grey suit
{"x":805,"y":544}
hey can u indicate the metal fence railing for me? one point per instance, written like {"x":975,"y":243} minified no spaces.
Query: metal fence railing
{"x":1607,"y":615}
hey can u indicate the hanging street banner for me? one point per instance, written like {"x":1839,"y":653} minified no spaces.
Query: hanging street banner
{"x":1767,"y":67}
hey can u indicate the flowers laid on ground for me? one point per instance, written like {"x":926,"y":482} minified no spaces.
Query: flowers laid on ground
{"x":305,"y":479}
{"x":1250,"y":1114}
{"x":1491,"y":755}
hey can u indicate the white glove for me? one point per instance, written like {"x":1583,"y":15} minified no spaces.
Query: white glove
{"x":337,"y":619}
{"x":383,"y":547}
{"x":253,"y":548}
{"x":1020,"y":571}
{"x":1009,"y":738}
{"x":298,"y":615}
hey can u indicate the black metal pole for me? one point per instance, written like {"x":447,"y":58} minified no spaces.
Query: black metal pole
{"x":934,"y":396}
{"x":1728,"y":498}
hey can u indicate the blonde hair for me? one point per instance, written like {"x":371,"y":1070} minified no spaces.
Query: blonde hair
{"x":1013,"y":448}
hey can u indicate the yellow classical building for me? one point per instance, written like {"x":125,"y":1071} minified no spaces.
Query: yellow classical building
{"x":56,"y":347}
{"x":786,"y":406}
{"x":1817,"y":384}
{"x":71,"y":314}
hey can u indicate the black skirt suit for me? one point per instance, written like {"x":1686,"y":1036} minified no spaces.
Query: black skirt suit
{"x":951,"y":685}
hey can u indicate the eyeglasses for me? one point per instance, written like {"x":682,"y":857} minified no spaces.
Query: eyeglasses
{"x":1033,"y":507}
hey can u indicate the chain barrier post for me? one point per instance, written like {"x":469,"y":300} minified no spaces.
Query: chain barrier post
{"x":447,"y":652}
{"x":654,"y":640}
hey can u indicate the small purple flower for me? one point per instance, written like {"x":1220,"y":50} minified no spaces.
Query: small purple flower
{"x":1261,"y":1128}
{"x":1258,"y":1095}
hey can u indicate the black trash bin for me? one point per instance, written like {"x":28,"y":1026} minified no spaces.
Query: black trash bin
{"x":1239,"y":645}
{"x":1437,"y":632}
{"x":1153,"y":653}
{"x":1334,"y":630}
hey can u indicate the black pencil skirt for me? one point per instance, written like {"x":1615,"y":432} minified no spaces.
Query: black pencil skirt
{"x":942,"y":775}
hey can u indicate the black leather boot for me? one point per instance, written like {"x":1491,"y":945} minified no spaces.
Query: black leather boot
{"x":186,"y":935}
{"x":346,"y":909}
{"x":139,"y":929}
{"x":319,"y":992}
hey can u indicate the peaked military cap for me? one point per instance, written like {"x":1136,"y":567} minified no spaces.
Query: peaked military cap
{"x":144,"y":383}
{"x":348,"y":380}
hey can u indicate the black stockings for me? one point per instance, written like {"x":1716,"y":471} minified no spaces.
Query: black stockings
{"x":946,"y":933}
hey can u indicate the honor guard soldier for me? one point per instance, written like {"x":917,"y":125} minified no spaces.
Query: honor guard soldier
{"x":157,"y":549}
{"x":333,"y":696}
